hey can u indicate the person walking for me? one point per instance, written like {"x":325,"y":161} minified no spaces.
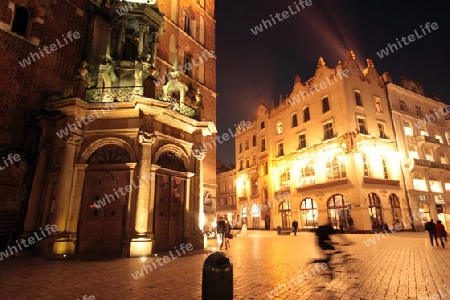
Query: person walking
{"x":227,"y":234}
{"x":220,"y":232}
{"x":351,"y":223}
{"x":431,"y":228}
{"x":440,"y":233}
{"x":295,"y":226}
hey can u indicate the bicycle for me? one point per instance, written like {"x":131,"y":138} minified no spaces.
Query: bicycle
{"x":339,"y":262}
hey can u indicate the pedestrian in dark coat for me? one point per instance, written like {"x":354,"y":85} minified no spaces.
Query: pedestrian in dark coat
{"x":431,"y":228}
{"x":440,"y":233}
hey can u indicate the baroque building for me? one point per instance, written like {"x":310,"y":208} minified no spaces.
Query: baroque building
{"x":326,"y":152}
{"x":110,"y":146}
{"x":423,"y":138}
{"x":226,"y":192}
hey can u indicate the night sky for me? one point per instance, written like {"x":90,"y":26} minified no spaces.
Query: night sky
{"x":251,"y":67}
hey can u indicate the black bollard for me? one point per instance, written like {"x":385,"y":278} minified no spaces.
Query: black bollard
{"x":217,"y":280}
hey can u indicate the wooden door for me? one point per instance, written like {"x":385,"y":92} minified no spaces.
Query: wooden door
{"x":169,"y":212}
{"x":102,"y":212}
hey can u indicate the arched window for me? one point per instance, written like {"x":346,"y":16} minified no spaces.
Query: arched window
{"x":255,"y":215}
{"x":338,"y":210}
{"x":20,"y":22}
{"x":395,"y":208}
{"x":308,"y":213}
{"x":375,"y":211}
{"x":244,"y":215}
{"x":284,"y":213}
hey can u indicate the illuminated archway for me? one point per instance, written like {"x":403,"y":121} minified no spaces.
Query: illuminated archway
{"x":338,"y":210}
{"x":376,"y":217}
{"x":308,"y":214}
{"x":284,"y":214}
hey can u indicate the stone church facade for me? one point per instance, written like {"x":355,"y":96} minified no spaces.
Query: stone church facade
{"x":118,"y":164}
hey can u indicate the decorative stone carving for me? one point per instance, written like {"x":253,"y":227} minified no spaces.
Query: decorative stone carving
{"x":147,"y":135}
{"x":74,"y":139}
{"x":321,"y":62}
{"x":348,"y":142}
{"x":199,"y":152}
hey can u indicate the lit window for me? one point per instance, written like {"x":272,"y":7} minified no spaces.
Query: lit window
{"x":447,"y":137}
{"x":335,"y":169}
{"x":366,"y":166}
{"x":403,"y":105}
{"x":408,"y":128}
{"x":378,"y":107}
{"x":442,"y":158}
{"x":412,"y":150}
{"x":325,"y":104}
{"x":435,"y":186}
{"x":419,"y":182}
{"x":285,"y":179}
{"x":294,"y":120}
{"x":439,"y":138}
{"x":362,"y":126}
{"x":418,"y":110}
{"x":328,"y":132}
{"x":307,"y":174}
{"x":447,"y":186}
{"x":307,"y":117}
{"x":381,"y":129}
{"x":280,"y":150}
{"x":358,"y":98}
{"x":423,"y":131}
{"x":279,"y":127}
{"x":301,"y":141}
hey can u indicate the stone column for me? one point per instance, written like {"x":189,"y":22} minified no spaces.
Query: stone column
{"x":141,"y":244}
{"x":151,"y":207}
{"x":146,"y":140}
{"x":199,"y":218}
{"x":65,"y":183}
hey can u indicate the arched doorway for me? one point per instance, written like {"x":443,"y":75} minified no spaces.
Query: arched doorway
{"x":308,"y":214}
{"x":284,"y":214}
{"x":255,"y":216}
{"x":244,"y":215}
{"x":104,"y":201}
{"x":375,"y":211}
{"x":169,"y":202}
{"x":338,"y":210}
{"x":395,"y":208}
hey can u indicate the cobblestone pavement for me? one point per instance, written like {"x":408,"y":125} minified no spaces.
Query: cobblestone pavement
{"x":399,"y":266}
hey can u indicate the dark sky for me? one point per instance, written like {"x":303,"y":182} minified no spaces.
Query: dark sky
{"x":251,"y":67}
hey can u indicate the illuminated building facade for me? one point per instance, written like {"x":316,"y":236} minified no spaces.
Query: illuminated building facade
{"x":226,"y":193}
{"x":423,"y":139}
{"x":119,"y":166}
{"x":327,"y":151}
